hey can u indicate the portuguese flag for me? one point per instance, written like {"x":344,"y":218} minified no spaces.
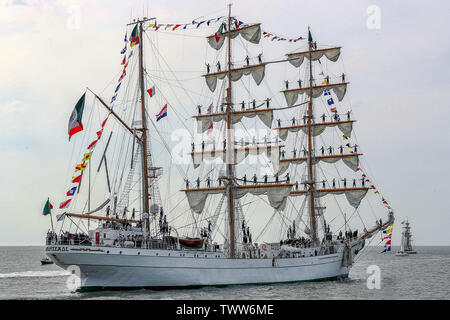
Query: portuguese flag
{"x":47,"y":208}
{"x":75,"y":124}
{"x":134,"y":37}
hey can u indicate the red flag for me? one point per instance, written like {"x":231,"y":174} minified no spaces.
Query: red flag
{"x":178,"y":25}
{"x":104,"y":122}
{"x":92,"y":144}
{"x":124,"y":59}
{"x":77,"y":179}
{"x":64,"y":204}
{"x":151,"y":91}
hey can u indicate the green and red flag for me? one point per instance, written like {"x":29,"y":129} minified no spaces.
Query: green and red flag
{"x":216,"y":35}
{"x":134,"y":37}
{"x":47,"y":208}
{"x":75,"y":124}
{"x":310,"y":39}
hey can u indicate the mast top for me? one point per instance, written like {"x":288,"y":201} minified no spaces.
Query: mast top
{"x":145,"y":19}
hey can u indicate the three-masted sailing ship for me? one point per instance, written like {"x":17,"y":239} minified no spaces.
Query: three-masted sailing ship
{"x":405,"y":244}
{"x":145,"y":247}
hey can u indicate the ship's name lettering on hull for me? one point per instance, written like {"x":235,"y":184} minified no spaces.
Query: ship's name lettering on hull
{"x":56,"y":248}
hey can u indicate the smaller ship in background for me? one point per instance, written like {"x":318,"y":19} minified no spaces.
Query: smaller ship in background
{"x":405,"y":245}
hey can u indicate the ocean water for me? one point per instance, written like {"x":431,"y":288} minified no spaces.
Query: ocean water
{"x":425,"y":275}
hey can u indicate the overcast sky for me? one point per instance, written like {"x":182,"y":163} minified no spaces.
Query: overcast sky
{"x":400,"y":92}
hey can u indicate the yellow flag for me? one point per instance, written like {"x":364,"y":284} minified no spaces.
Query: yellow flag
{"x":87,"y":156}
{"x":80,"y":167}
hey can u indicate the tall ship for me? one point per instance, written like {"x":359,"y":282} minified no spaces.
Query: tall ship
{"x":253,"y":192}
{"x":405,"y":244}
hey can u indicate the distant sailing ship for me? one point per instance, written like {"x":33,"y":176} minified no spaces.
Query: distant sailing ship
{"x":145,"y":249}
{"x":405,"y":245}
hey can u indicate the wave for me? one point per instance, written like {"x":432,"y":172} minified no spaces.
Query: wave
{"x":28,"y":274}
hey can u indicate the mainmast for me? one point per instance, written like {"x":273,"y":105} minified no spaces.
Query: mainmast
{"x":230,"y":173}
{"x":144,"y":130}
{"x":311,"y":178}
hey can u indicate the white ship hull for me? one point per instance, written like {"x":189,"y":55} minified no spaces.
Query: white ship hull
{"x":110,"y":267}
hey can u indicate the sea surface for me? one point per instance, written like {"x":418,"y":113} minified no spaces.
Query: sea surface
{"x":425,"y":275}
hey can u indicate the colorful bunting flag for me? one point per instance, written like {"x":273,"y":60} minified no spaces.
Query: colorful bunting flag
{"x":71,"y":192}
{"x":151,"y":91}
{"x":134,"y":37}
{"x":80,"y":167}
{"x":87,"y":156}
{"x":77,"y":179}
{"x":65,"y":204}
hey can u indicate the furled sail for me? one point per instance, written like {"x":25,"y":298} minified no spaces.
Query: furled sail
{"x":346,"y":128}
{"x":353,"y":195}
{"x":239,"y":155}
{"x":197,"y":197}
{"x":297,"y":58}
{"x":250,"y":33}
{"x":204,"y":121}
{"x":351,"y":160}
{"x":257,"y":72}
{"x":292,"y":95}
{"x":277,"y":194}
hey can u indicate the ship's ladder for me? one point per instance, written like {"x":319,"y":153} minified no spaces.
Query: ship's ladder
{"x":125,"y":196}
{"x":215,"y":217}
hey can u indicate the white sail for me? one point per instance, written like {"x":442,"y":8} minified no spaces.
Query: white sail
{"x":346,"y":128}
{"x":354,"y":196}
{"x":352,"y":161}
{"x":296,"y":59}
{"x":249,"y":33}
{"x":257,"y":72}
{"x":272,"y":152}
{"x":292,"y":95}
{"x":204,"y":122}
